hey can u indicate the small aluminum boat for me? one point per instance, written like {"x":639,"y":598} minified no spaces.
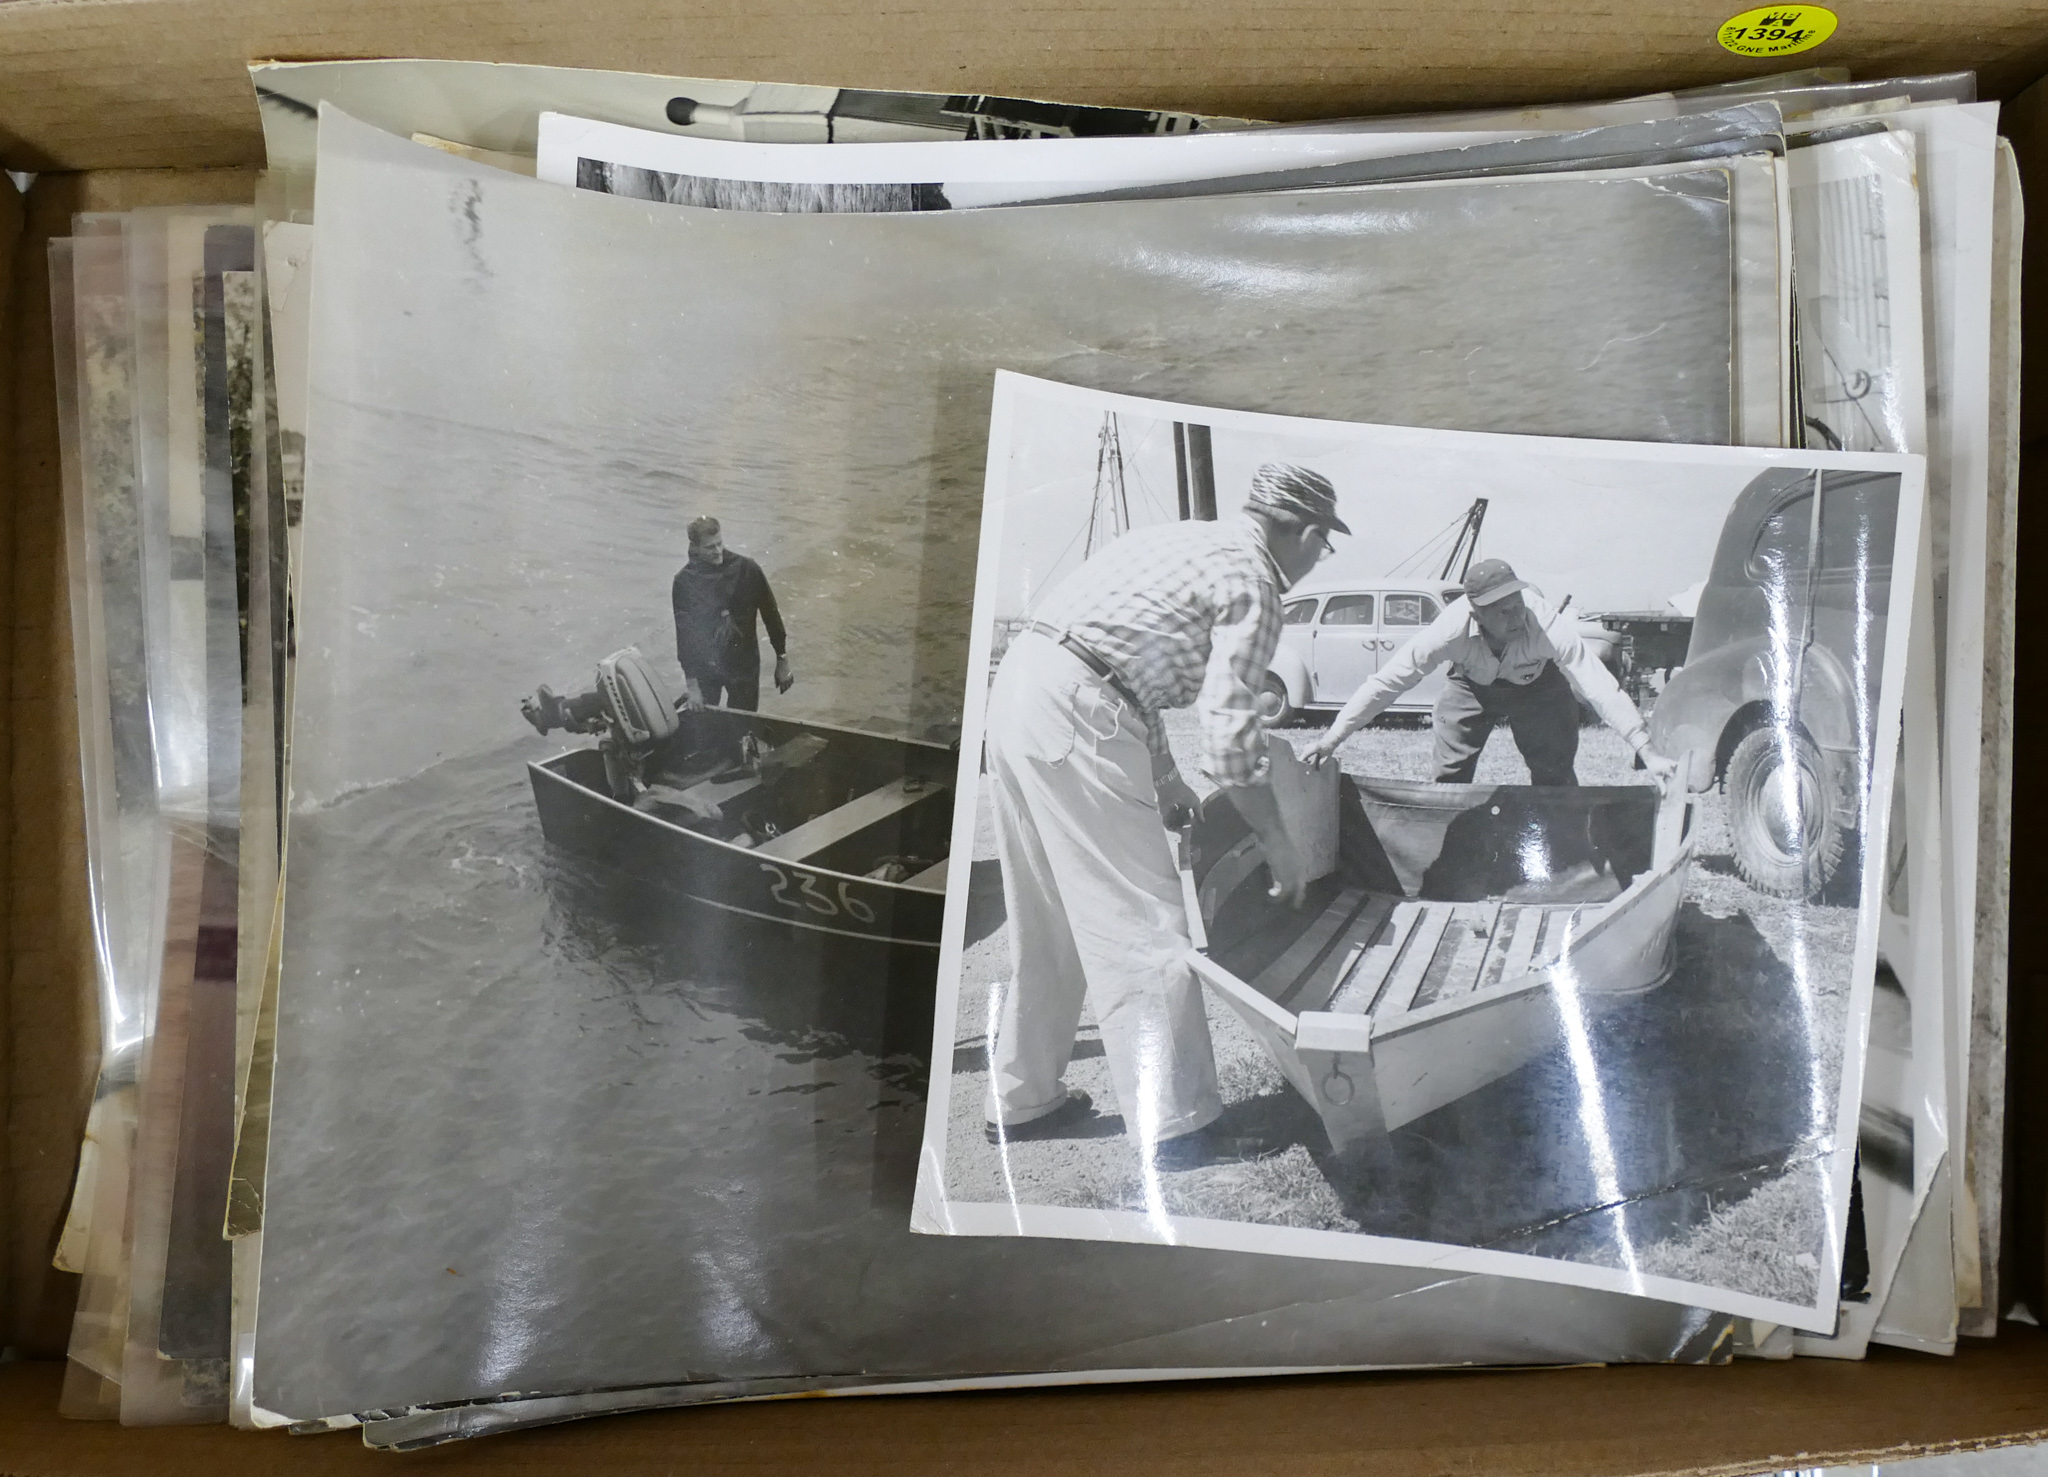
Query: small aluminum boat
{"x":803,"y":826}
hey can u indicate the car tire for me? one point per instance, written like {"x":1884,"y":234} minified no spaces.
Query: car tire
{"x":1787,"y":854}
{"x":1275,"y":707}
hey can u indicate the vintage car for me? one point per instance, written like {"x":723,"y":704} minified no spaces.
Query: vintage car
{"x":1778,"y":695}
{"x":1336,"y":636}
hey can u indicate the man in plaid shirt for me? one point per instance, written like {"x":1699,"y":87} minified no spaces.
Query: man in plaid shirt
{"x":1188,"y":613}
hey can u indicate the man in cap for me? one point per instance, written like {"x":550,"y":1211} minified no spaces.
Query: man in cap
{"x":718,"y":597}
{"x":1513,"y":660}
{"x":1186,"y":613}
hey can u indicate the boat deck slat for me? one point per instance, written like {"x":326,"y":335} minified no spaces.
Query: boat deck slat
{"x":1562,"y":926}
{"x":1357,"y":994}
{"x":931,"y":879}
{"x":1417,"y":957}
{"x":1333,"y":975}
{"x":1497,"y":937}
{"x":706,"y":798}
{"x":1521,"y":952}
{"x":1281,"y":980}
{"x":802,"y":842}
{"x":1461,"y":958}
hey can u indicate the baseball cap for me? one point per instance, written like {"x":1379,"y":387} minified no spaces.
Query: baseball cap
{"x":1490,"y":580}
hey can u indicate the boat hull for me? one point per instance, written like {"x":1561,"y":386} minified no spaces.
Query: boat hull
{"x":578,"y":815}
{"x":1471,"y":930}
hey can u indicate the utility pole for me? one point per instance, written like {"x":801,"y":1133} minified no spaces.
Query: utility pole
{"x":1201,"y":474}
{"x":1180,"y":468}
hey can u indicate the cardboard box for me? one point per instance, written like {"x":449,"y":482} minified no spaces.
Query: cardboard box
{"x":138,"y":102}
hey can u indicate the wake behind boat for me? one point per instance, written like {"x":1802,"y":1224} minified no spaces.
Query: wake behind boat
{"x":804,"y":826}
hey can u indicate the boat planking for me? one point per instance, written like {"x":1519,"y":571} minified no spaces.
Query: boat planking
{"x":1457,"y":932}
{"x":830,"y":831}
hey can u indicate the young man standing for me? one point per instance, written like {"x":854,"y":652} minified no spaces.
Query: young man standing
{"x":718,"y":596}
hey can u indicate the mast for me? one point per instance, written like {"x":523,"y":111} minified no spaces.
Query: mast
{"x":1110,"y":513}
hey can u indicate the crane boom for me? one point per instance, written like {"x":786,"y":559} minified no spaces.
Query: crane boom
{"x":1465,"y":547}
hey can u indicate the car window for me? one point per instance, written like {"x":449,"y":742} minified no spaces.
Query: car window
{"x":1298,"y":613}
{"x":1782,"y":542}
{"x":1348,"y":610}
{"x":1408,"y":610}
{"x":1857,"y":524}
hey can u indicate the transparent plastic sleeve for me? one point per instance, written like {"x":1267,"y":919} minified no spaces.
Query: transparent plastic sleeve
{"x":193,"y":362}
{"x":127,"y":849}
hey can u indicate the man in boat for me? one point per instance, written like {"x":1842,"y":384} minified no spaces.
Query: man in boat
{"x":1515,"y":660}
{"x":719,"y":596}
{"x":1165,"y":617}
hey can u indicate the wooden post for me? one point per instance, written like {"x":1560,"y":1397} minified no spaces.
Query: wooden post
{"x":1180,"y":467}
{"x":1201,"y":475}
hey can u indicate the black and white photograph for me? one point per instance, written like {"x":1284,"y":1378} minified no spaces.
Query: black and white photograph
{"x":782,"y":740}
{"x":627,"y":990}
{"x":727,"y":173}
{"x":1422,"y":847}
{"x":488,"y":110}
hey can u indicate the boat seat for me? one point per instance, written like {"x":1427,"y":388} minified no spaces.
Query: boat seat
{"x":931,"y":879}
{"x":706,"y":799}
{"x":800,"y":843}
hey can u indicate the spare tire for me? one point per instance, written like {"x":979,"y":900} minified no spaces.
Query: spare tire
{"x":1782,"y":824}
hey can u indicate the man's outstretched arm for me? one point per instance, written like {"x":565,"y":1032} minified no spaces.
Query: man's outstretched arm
{"x":771,"y":617}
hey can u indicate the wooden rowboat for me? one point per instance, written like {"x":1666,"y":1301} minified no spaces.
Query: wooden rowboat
{"x":1458,"y":932}
{"x":827,"y":831}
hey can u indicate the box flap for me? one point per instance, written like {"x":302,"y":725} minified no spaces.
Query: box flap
{"x":86,"y":84}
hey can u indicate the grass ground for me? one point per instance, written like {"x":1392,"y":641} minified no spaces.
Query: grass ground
{"x":1715,"y":1092}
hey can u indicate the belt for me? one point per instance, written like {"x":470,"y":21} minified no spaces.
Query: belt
{"x":1090,"y":659}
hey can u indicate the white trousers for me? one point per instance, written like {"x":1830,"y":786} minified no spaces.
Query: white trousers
{"x":1094,"y":903}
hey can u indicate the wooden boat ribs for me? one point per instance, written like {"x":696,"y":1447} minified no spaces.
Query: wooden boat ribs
{"x":1431,"y":959}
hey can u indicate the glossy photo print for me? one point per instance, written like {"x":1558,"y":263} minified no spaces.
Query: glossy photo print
{"x":1421,"y":847}
{"x":672,"y":1061}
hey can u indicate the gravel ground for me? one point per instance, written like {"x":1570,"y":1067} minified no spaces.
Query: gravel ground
{"x":1716,"y":1092}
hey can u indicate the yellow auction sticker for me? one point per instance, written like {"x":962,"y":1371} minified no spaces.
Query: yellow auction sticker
{"x":1777,"y":30}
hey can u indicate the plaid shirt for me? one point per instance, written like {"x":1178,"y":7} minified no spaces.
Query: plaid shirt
{"x":1185,"y":613}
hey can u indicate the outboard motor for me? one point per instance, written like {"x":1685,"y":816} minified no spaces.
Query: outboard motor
{"x":639,"y":702}
{"x":632,"y":708}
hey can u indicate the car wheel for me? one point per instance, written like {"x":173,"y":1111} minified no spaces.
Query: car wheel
{"x":1787,"y":839}
{"x":1274,"y":705}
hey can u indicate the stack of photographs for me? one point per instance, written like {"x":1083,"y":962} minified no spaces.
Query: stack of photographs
{"x":1101,"y":936}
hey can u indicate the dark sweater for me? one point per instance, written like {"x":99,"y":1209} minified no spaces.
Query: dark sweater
{"x":716,"y":606}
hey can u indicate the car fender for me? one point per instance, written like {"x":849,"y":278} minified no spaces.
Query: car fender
{"x":1748,"y":677}
{"x":1292,"y":670}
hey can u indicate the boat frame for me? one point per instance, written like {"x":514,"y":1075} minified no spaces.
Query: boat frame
{"x":1341,"y":1010}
